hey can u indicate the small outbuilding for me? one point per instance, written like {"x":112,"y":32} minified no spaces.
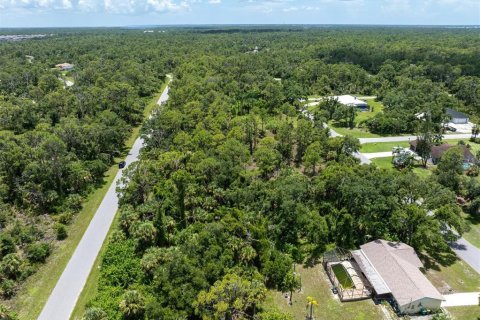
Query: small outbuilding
{"x":457,"y":117}
{"x":393,"y":270}
{"x":352,"y":101}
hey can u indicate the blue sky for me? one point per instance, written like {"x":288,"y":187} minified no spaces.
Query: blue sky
{"x":71,"y":13}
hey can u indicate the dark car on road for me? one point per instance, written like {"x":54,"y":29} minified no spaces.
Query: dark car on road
{"x":122,"y":164}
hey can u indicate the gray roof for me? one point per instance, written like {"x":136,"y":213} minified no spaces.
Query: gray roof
{"x":456,"y":114}
{"x":369,"y":271}
{"x":398,"y":266}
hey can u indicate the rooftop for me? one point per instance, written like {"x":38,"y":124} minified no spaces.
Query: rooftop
{"x":350,"y":100}
{"x":456,"y":114}
{"x":398,"y":265}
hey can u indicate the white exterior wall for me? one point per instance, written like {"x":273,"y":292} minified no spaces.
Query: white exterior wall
{"x":415,"y":307}
{"x":459,"y":120}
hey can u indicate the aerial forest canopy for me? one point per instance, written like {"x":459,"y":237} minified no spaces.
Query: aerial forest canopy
{"x":235,"y":183}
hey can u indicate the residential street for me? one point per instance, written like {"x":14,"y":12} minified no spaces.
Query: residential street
{"x":408,"y":138}
{"x":467,"y":252}
{"x":64,"y":296}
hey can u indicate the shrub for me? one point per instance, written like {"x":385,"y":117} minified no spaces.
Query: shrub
{"x":94,"y":314}
{"x":7,"y":288}
{"x":473,"y":171}
{"x":61,"y":231}
{"x":38,"y":252}
{"x":11,"y":266}
{"x":74,"y":202}
{"x":65,"y":218}
{"x":6,"y":313}
{"x":7,"y":245}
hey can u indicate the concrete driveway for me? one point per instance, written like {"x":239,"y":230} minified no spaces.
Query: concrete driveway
{"x":64,"y":296}
{"x":461,"y":299}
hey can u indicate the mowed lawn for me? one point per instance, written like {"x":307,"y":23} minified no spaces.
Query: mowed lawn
{"x":386,"y":163}
{"x":465,"y":312}
{"x":473,"y":235}
{"x":315,"y":283}
{"x":460,"y":277}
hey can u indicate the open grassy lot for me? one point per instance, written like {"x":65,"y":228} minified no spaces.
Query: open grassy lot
{"x":375,"y":107}
{"x":386,"y":163}
{"x":33,"y":294}
{"x":465,"y":312}
{"x":382,"y":146}
{"x":342,"y":276}
{"x":473,"y":235}
{"x":355,"y":132}
{"x":315,"y":283}
{"x":458,"y":276}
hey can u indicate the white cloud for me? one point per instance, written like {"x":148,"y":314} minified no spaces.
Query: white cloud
{"x":108,"y":6}
{"x":214,"y":1}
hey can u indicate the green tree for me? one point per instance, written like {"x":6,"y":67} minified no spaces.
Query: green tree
{"x":233,"y":297}
{"x":132,"y":305}
{"x":312,"y":156}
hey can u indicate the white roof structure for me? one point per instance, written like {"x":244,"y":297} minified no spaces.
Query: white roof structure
{"x":349,"y":100}
{"x":393,"y":267}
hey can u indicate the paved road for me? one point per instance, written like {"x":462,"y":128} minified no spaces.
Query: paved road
{"x":408,"y":138}
{"x":461,"y":299}
{"x":64,"y":296}
{"x":468,"y":253}
{"x":374,"y":155}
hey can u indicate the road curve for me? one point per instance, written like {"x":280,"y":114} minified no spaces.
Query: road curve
{"x":64,"y":296}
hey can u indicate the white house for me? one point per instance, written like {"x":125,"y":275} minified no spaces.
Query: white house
{"x":349,"y":100}
{"x":393,"y":269}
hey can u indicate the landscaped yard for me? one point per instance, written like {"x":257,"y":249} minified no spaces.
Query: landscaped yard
{"x":315,"y":283}
{"x":382,"y":146}
{"x":386,"y":163}
{"x":459,"y":276}
{"x":473,"y":235}
{"x":465,"y":313}
{"x":375,"y":107}
{"x":342,"y":276}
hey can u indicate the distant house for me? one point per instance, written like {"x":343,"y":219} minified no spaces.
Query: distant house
{"x":393,"y":270}
{"x":349,"y":100}
{"x":64,"y":66}
{"x":438,"y":151}
{"x":457,"y":117}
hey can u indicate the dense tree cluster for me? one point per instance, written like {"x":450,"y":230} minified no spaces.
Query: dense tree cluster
{"x":57,"y":140}
{"x":236,"y":184}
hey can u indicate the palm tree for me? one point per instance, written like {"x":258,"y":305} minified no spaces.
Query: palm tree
{"x":311,"y":303}
{"x":132,"y":305}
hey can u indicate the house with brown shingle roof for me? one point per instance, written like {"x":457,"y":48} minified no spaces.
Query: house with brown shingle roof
{"x":393,"y":268}
{"x":438,"y":151}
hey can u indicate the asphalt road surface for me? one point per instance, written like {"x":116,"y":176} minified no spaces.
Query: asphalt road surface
{"x":64,"y":296}
{"x":408,"y":138}
{"x":467,"y":252}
